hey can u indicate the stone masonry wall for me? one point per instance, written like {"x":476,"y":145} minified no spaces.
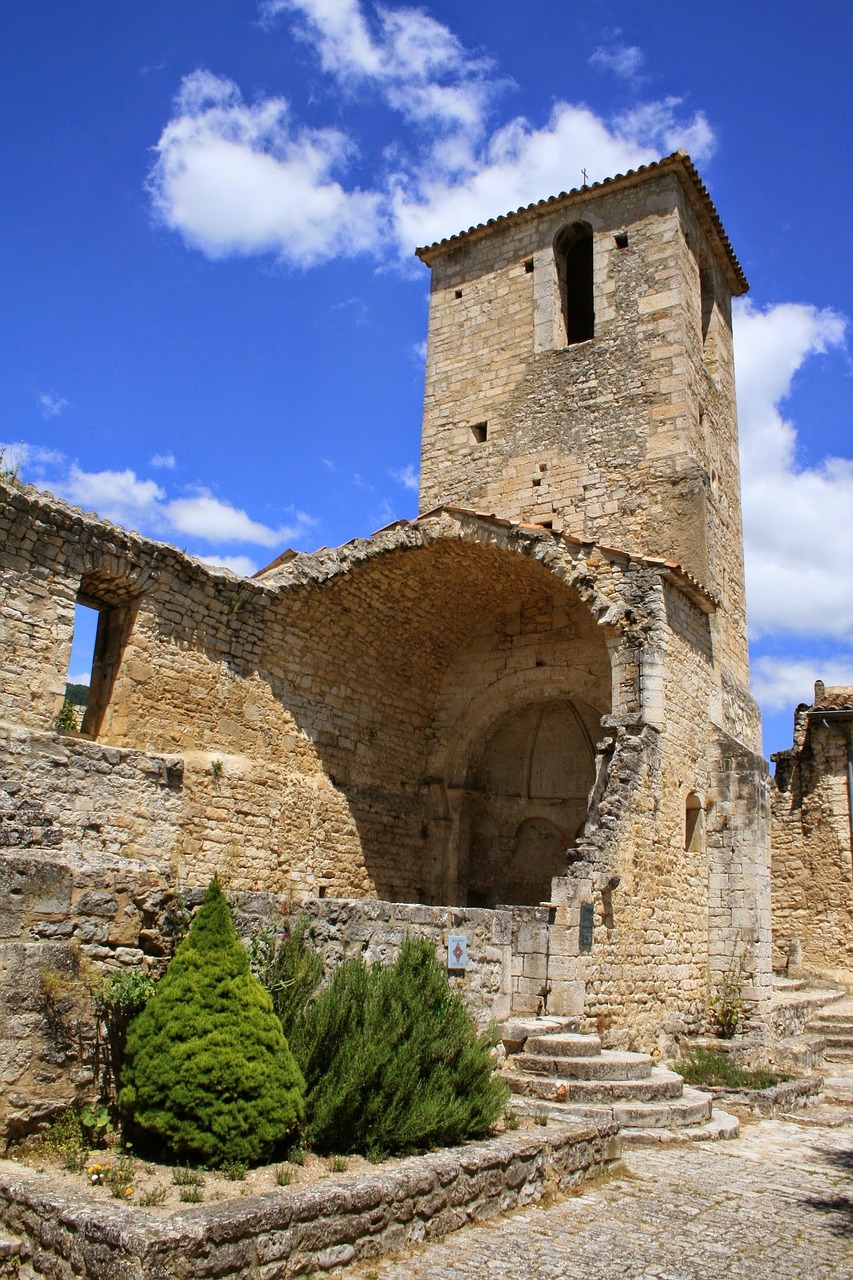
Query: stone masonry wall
{"x":630,"y":438}
{"x":812,"y":863}
{"x":70,"y":918}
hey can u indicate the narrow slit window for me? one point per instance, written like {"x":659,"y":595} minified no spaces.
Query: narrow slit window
{"x":574,"y":258}
{"x":528,"y":266}
{"x":694,"y":825}
{"x":79,"y":675}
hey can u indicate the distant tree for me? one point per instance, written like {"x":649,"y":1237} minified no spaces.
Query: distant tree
{"x":208,"y":1074}
{"x":77,"y":694}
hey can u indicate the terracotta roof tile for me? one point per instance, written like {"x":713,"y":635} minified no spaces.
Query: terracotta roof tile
{"x":679,"y":162}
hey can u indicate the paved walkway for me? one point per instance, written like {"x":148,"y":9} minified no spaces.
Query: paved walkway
{"x":777,"y":1204}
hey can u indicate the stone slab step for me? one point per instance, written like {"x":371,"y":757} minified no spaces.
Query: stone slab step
{"x":722,"y":1127}
{"x":515,"y":1031}
{"x":838,"y":1054}
{"x":611,"y":1064}
{"x":832,"y":1026}
{"x":661,"y":1085}
{"x":781,"y":983}
{"x":564,"y":1045}
{"x":674,"y":1113}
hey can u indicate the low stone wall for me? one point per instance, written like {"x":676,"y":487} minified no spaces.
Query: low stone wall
{"x":290,"y":1232}
{"x":68,"y":917}
{"x":789,"y":1095}
{"x":506,"y":948}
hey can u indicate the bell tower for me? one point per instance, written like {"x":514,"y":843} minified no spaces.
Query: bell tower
{"x":580,"y":375}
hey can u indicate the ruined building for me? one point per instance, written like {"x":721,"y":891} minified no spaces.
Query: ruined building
{"x":528,"y":704}
{"x":812,"y":825}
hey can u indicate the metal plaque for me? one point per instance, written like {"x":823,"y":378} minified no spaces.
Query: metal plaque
{"x":587,"y":924}
{"x":457,"y":951}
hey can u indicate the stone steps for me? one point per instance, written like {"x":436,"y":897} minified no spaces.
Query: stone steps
{"x":557,"y":1074}
{"x":564,"y":1045}
{"x":692,"y":1108}
{"x":609,"y":1065}
{"x":665,"y":1085}
{"x":835,"y":1026}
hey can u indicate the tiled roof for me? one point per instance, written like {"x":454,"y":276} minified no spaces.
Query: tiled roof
{"x":679,"y":162}
{"x":835,"y":700}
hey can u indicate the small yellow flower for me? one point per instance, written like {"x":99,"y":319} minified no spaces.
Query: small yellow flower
{"x":128,"y":1191}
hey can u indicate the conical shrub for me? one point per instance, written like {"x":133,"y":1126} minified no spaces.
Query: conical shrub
{"x":208,"y":1075}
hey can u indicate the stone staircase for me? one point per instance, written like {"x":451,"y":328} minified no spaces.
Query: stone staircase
{"x":555,"y":1072}
{"x":835,"y":1025}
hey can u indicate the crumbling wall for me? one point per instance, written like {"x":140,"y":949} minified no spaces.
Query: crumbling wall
{"x":812,"y":861}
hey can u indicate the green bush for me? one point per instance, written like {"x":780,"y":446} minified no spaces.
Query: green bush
{"x":208,"y":1074}
{"x":716,"y":1070}
{"x":290,"y":969}
{"x":392,"y":1061}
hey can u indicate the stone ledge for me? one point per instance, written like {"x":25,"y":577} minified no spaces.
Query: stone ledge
{"x":281,"y":1234}
{"x":789,"y":1095}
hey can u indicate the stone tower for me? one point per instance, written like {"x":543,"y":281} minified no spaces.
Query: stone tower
{"x":580,"y":376}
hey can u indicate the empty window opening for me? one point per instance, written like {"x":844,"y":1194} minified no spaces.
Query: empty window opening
{"x":573,"y":253}
{"x":621,"y":239}
{"x":537,"y":482}
{"x":694,"y":824}
{"x":480,"y":432}
{"x":457,"y":293}
{"x":79,"y":675}
{"x":101,"y":630}
{"x":528,"y":266}
{"x":543,"y":466}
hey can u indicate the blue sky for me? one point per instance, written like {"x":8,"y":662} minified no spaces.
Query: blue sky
{"x":213,"y":323}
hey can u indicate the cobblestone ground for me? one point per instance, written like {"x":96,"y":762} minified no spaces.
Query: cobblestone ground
{"x":777,"y":1204}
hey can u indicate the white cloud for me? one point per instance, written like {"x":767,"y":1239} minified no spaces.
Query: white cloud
{"x":624,"y":60}
{"x":143,"y":504}
{"x":417,"y":63}
{"x":780,"y":683}
{"x":519,"y":164}
{"x":798,"y":529}
{"x":242,"y":565}
{"x":117,"y":495}
{"x":82,"y":677}
{"x":52,"y":405}
{"x":164,"y":461}
{"x":408,"y":477}
{"x":239,"y":178}
{"x":205,"y":516}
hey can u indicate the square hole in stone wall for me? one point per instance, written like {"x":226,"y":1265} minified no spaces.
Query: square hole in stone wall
{"x":480,"y":432}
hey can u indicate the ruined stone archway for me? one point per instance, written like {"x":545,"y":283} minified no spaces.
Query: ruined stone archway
{"x":524,"y":800}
